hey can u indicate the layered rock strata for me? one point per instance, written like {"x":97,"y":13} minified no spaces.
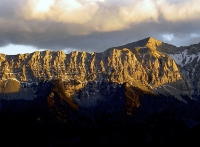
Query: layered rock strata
{"x":139,"y":64}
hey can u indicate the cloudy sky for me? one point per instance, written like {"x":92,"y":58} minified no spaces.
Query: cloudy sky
{"x":95,"y":25}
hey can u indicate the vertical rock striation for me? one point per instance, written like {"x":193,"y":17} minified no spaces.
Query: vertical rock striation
{"x":140,"y":64}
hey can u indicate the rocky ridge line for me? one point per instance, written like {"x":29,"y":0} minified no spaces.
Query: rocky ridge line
{"x":141,"y":65}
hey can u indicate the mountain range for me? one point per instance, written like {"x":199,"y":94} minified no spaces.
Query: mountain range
{"x":146,"y":92}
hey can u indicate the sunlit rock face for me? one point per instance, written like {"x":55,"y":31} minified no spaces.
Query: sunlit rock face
{"x":140,"y":64}
{"x":187,"y":59}
{"x":148,"y":64}
{"x":147,"y":90}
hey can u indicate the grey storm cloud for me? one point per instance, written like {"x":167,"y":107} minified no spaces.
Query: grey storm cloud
{"x":95,"y":25}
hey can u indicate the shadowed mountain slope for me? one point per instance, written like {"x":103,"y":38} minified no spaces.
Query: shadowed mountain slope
{"x":145,"y":92}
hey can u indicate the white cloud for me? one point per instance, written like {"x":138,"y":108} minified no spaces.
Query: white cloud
{"x":168,"y":37}
{"x":181,"y":11}
{"x":109,"y":15}
{"x":139,"y":11}
{"x":195,"y":35}
{"x":65,"y":11}
{"x":83,"y":24}
{"x":43,"y":5}
{"x":17,"y":49}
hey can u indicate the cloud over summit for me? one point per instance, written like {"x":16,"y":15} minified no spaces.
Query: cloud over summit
{"x":95,"y":25}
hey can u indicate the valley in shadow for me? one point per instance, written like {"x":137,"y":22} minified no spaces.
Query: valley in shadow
{"x":122,"y":115}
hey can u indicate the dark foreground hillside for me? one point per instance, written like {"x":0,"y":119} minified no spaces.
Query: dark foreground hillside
{"x":158,"y":121}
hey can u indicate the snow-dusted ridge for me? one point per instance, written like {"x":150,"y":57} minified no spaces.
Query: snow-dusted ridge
{"x":184,"y":58}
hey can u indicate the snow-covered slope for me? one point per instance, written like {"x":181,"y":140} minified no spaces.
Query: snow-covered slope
{"x":188,"y":60}
{"x":183,"y":58}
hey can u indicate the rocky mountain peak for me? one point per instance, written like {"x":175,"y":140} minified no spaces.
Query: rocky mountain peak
{"x":142,"y":64}
{"x":145,"y":84}
{"x":152,"y":43}
{"x":149,"y":42}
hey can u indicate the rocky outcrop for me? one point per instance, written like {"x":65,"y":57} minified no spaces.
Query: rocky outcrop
{"x":137,"y":93}
{"x":187,"y":60}
{"x":141,"y":64}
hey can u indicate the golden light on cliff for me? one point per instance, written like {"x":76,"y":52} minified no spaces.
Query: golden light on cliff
{"x":9,"y":86}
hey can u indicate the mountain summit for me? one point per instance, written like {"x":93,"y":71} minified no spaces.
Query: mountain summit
{"x":149,"y":41}
{"x":146,"y":92}
{"x":142,"y":64}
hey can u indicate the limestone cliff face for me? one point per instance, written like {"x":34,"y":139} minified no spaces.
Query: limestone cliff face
{"x":141,"y":65}
{"x":187,"y":59}
{"x":129,"y":94}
